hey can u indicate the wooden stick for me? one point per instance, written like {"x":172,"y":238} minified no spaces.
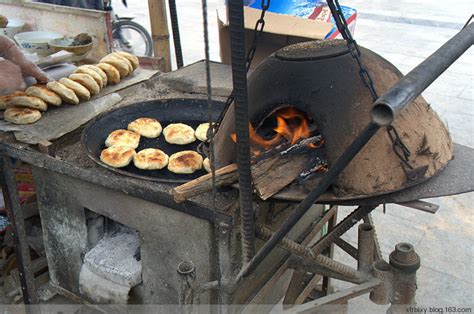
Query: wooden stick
{"x":159,"y":32}
{"x":224,"y":176}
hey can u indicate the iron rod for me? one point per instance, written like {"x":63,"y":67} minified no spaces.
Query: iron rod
{"x":239,"y":77}
{"x":302,"y":208}
{"x":317,"y":305}
{"x":302,"y":251}
{"x":176,"y":37}
{"x":341,"y":228}
{"x":388,"y":106}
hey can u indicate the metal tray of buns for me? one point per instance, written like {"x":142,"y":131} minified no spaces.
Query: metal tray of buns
{"x":189,"y":111}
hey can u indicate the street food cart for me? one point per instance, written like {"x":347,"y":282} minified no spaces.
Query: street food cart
{"x":241,"y":235}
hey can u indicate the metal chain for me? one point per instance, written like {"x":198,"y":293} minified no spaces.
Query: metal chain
{"x":257,"y":34}
{"x":400,"y":149}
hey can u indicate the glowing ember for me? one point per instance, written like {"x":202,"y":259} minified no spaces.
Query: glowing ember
{"x":292,"y":126}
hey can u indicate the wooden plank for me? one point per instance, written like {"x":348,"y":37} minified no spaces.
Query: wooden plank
{"x":223,"y":176}
{"x":159,"y":32}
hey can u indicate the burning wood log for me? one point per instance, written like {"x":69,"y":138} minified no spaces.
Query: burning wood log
{"x":270,"y":175}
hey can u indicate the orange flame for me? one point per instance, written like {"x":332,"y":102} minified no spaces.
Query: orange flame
{"x":292,"y":125}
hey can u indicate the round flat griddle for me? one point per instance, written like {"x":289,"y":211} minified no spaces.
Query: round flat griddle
{"x":189,"y":111}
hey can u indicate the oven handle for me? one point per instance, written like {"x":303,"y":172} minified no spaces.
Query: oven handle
{"x":389,"y":105}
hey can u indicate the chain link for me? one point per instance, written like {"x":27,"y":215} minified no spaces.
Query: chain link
{"x":400,"y":149}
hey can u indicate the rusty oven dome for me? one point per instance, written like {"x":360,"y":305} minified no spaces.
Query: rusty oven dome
{"x":322,"y":79}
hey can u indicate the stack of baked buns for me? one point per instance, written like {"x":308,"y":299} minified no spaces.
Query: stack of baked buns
{"x":86,"y":81}
{"x":121,"y":147}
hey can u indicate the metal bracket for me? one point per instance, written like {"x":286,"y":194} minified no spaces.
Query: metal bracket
{"x":421,"y":205}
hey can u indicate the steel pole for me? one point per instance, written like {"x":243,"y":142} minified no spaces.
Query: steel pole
{"x":388,"y":106}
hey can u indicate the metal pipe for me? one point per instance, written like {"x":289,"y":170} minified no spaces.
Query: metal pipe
{"x":187,"y":282}
{"x":303,"y":207}
{"x":176,"y":37}
{"x":241,"y":113}
{"x":383,"y":271}
{"x":366,"y":246}
{"x":409,"y":87}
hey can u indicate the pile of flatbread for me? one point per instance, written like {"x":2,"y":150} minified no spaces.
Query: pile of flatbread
{"x":86,"y":81}
{"x":121,"y":145}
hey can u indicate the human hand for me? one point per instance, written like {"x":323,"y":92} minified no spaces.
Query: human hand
{"x":11,"y":78}
{"x":10,"y":52}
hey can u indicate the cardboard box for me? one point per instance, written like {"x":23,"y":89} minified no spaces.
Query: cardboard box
{"x":280,"y":30}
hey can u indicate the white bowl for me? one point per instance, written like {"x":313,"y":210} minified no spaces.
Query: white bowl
{"x":36,"y":42}
{"x":14,"y":26}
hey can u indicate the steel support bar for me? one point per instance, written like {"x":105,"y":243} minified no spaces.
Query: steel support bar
{"x":308,"y":265}
{"x":176,"y":37}
{"x":18,"y":230}
{"x":334,"y":298}
{"x":346,"y":247}
{"x":305,"y":253}
{"x":417,"y":80}
{"x":342,"y":227}
{"x":239,"y":79}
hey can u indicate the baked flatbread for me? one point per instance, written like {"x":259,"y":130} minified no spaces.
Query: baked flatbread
{"x":42,"y":92}
{"x":81,"y":92}
{"x":117,"y":156}
{"x":4,"y":100}
{"x":66,"y":94}
{"x":133,"y":59}
{"x":123,"y":138}
{"x":21,"y":115}
{"x":150,"y":159}
{"x":99,"y":71}
{"x":113,"y":75}
{"x":206,"y":164}
{"x":147,"y":127}
{"x":97,"y":78}
{"x":179,"y":133}
{"x":129,"y":64}
{"x":201,"y":131}
{"x":29,"y":102}
{"x":185,"y":162}
{"x":121,"y":65}
{"x":87,"y":81}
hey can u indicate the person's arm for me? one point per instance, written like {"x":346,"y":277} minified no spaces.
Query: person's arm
{"x":9,"y":51}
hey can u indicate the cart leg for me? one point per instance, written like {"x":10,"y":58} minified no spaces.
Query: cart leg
{"x":15,"y":215}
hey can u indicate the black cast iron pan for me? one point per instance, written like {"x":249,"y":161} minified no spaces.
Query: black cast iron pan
{"x":189,"y":111}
